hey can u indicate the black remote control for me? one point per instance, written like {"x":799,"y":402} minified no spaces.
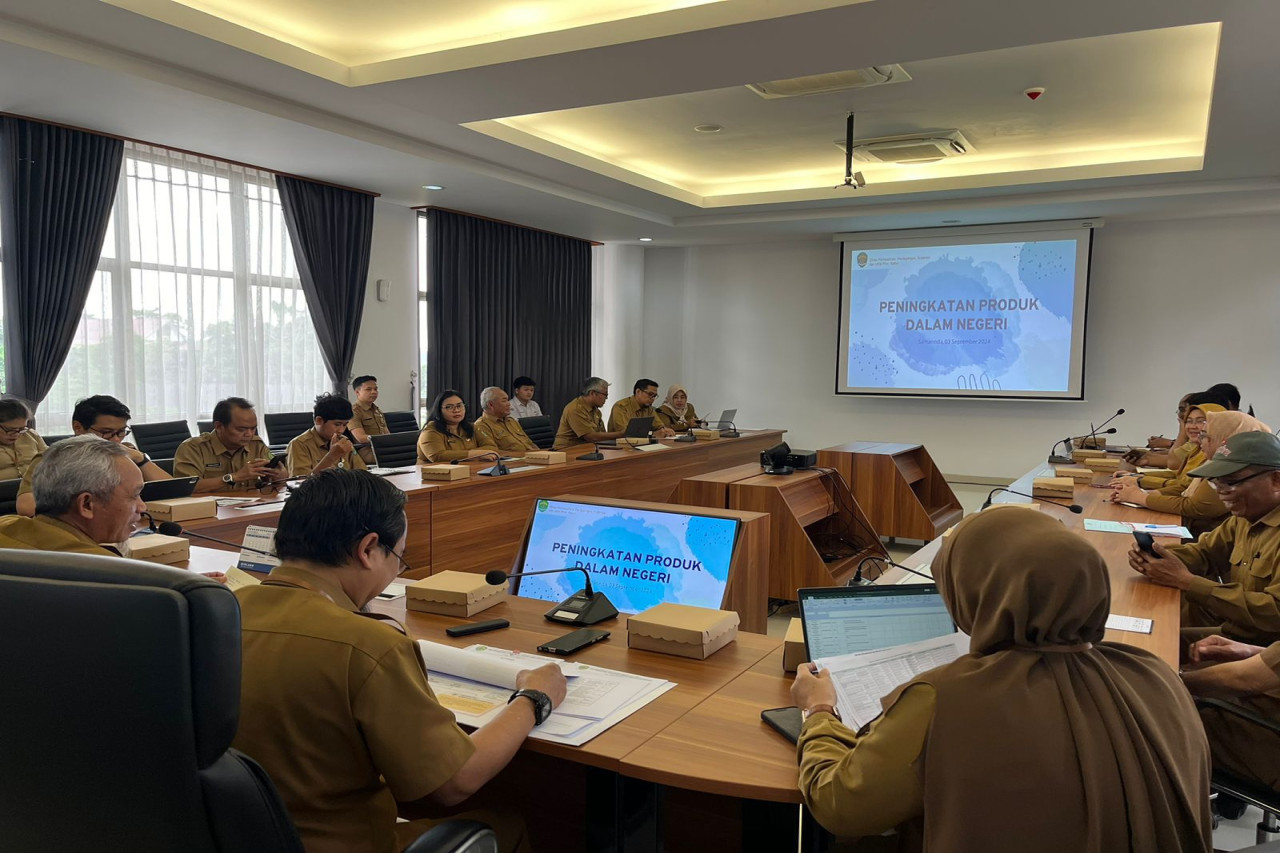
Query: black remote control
{"x":477,"y":627}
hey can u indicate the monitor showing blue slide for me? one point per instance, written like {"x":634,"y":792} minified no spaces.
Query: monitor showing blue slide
{"x":967,"y":314}
{"x":638,"y":558}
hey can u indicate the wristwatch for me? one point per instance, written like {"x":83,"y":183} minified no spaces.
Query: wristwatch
{"x":819,"y":709}
{"x":228,"y":478}
{"x":541,"y":704}
{"x":144,"y":460}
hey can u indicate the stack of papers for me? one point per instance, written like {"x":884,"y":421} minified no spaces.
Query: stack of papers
{"x":476,"y":682}
{"x":388,"y":472}
{"x":862,"y":679}
{"x":1175,"y":531}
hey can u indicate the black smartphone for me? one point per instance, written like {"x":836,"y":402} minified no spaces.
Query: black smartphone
{"x":784,"y":721}
{"x":277,"y":461}
{"x":1146,"y":544}
{"x":572,"y":641}
{"x":476,"y":627}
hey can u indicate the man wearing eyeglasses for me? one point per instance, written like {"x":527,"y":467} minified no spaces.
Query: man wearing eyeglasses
{"x":103,"y":416}
{"x":18,"y":443}
{"x":1230,"y":577}
{"x":581,"y":421}
{"x":639,"y":405}
{"x":338,"y":708}
{"x":232,"y":457}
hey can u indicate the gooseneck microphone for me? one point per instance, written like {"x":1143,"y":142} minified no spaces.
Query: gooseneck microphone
{"x":595,"y":455}
{"x":496,"y":470}
{"x":732,"y":432}
{"x":1074,"y":507}
{"x":172,"y":528}
{"x":584,"y":607}
{"x":1093,"y":432}
{"x":1066,"y":460}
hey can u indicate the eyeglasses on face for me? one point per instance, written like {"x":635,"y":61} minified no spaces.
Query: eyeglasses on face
{"x":454,"y":407}
{"x":1220,"y":484}
{"x":109,"y":434}
{"x":14,"y":432}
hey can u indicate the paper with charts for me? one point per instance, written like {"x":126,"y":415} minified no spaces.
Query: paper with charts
{"x":862,"y":679}
{"x":475,"y":683}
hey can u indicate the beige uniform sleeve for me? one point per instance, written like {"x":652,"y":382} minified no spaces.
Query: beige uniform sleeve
{"x":24,"y":488}
{"x":582,"y":422}
{"x":866,"y":785}
{"x":1203,"y":502}
{"x":187,"y":461}
{"x":413,"y":740}
{"x":1210,"y":555}
{"x":619,"y":416}
{"x":301,"y":456}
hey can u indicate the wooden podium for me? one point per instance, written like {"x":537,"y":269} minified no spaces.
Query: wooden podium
{"x":818,"y":534}
{"x":898,"y":484}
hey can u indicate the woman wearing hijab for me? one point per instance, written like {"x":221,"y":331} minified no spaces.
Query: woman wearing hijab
{"x":1042,"y":738}
{"x":1197,"y":502}
{"x":1188,"y":457}
{"x":675,"y":411}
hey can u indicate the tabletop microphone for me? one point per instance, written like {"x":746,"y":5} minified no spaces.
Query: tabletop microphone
{"x":594,"y":456}
{"x":584,"y":607}
{"x":172,"y":528}
{"x":498,"y":469}
{"x":1076,"y":508}
{"x":731,"y":432}
{"x":1093,"y":432}
{"x":1067,"y":460}
{"x":857,"y":577}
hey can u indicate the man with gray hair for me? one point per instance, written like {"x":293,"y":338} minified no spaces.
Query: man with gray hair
{"x":86,"y":493}
{"x":581,"y":421}
{"x":498,"y":427}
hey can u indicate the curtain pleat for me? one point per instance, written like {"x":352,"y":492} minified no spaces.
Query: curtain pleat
{"x":56,"y":190}
{"x":506,"y":301}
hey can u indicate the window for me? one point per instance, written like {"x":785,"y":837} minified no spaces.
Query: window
{"x":423,"y":332}
{"x":196,"y":298}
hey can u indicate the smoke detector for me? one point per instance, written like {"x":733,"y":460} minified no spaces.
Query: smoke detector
{"x":817,"y":84}
{"x":910,"y":148}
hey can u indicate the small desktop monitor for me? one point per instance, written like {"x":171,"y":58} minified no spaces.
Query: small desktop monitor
{"x":637,"y":557}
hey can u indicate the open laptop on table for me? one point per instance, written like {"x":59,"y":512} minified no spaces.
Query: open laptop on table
{"x":636,"y":428}
{"x":165,"y":490}
{"x":843,"y":619}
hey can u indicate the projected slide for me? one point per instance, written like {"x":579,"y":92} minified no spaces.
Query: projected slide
{"x":999,"y":317}
{"x":636,"y":557}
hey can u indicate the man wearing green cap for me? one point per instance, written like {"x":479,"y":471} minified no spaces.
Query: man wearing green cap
{"x":1230,"y":577}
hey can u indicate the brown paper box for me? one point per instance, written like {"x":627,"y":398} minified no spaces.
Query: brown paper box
{"x":1078,"y":473}
{"x":679,"y":629}
{"x":453,"y":594}
{"x":546,"y":457}
{"x":793,"y":653}
{"x":158,"y":548}
{"x":705,"y":434}
{"x":183,"y":509}
{"x":1053,"y":487}
{"x":1101,"y":464}
{"x":435,"y":473}
{"x":1082,"y":456}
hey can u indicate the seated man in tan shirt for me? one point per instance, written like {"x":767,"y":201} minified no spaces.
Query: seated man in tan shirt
{"x":581,"y":422}
{"x":337,"y":705}
{"x":639,"y":405}
{"x":367,"y":419}
{"x":86,"y":492}
{"x":325,"y":445}
{"x":232,"y":457}
{"x":497,"y":427}
{"x":105,"y":417}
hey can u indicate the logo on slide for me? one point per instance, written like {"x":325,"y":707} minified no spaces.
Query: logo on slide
{"x":862,"y":259}
{"x":542,"y":505}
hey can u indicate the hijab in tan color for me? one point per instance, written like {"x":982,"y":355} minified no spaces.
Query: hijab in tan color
{"x":1220,"y":427}
{"x":1044,"y":737}
{"x":670,"y":404}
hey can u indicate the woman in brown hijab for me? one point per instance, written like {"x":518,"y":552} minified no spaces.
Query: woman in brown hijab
{"x":1042,"y":738}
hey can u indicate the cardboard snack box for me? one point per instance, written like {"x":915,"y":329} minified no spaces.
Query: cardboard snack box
{"x":453,"y":594}
{"x":679,"y":629}
{"x":183,"y":509}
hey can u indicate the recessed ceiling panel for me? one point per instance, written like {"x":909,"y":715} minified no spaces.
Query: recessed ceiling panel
{"x":1126,"y":104}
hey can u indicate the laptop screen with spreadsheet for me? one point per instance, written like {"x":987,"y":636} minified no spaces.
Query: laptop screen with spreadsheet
{"x":840,"y":620}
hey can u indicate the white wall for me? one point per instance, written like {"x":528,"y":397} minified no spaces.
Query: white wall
{"x":1174,"y":307}
{"x":617,"y":304}
{"x":388,"y":343}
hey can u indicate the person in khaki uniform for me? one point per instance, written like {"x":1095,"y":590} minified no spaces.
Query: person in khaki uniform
{"x":448,"y":435}
{"x":497,"y":427}
{"x":105,"y":417}
{"x":325,"y":445}
{"x":18,"y":443}
{"x":337,"y":705}
{"x":367,"y":419}
{"x":1249,"y":676}
{"x":581,"y":422}
{"x":232,"y":457}
{"x":86,"y":493}
{"x":676,"y":412}
{"x":639,"y":405}
{"x":1230,"y":577}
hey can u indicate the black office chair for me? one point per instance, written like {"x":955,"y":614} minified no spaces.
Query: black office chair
{"x":115,"y":731}
{"x":284,"y":427}
{"x":1247,"y":791}
{"x":9,"y":495}
{"x":166,"y":465}
{"x":160,"y":440}
{"x":204,"y":426}
{"x":539,"y":430}
{"x":51,"y":440}
{"x":396,"y":450}
{"x":401,"y":421}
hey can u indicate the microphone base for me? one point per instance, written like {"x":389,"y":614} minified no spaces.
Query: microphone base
{"x":780,"y":470}
{"x":494,"y":471}
{"x":685,"y":438}
{"x":583,"y":609}
{"x":732,"y":433}
{"x":1061,"y":460}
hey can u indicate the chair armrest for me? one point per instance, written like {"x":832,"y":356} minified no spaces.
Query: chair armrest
{"x":456,"y":836}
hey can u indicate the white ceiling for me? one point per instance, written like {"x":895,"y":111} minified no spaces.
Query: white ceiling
{"x":92,"y":64}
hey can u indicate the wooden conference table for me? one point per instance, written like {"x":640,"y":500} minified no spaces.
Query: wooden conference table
{"x":700,"y":754}
{"x":478,"y":524}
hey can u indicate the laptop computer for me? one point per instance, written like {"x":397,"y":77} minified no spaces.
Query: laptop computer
{"x":164,"y":490}
{"x":843,"y":619}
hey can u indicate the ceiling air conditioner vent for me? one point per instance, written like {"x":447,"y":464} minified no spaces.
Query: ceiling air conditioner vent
{"x":817,"y":84}
{"x":910,"y":148}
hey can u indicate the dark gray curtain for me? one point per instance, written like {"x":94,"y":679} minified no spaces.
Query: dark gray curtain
{"x":331,"y":230}
{"x":57,"y":187}
{"x":506,"y":301}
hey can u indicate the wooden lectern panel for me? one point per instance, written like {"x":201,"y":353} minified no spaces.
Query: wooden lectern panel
{"x":899,"y":485}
